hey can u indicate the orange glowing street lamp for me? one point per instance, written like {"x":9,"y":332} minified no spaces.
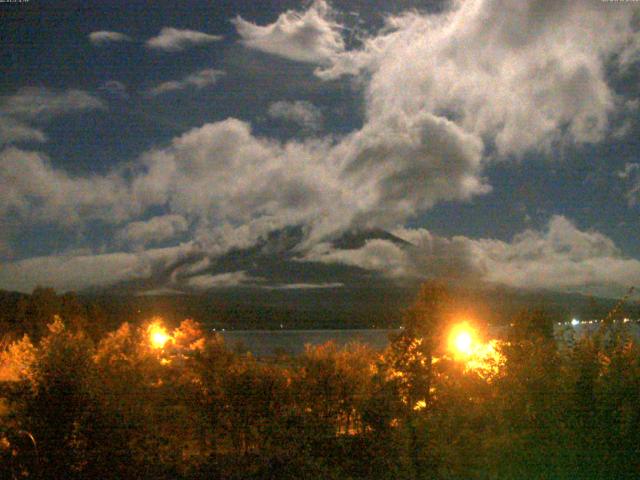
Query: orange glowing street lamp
{"x":158,"y":336}
{"x":469,"y":348}
{"x":462,"y":340}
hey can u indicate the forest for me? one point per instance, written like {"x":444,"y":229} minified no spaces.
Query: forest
{"x":81,"y":400}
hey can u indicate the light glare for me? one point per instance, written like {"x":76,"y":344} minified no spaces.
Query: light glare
{"x":461,"y":340}
{"x":463,"y":343}
{"x":158,"y":335}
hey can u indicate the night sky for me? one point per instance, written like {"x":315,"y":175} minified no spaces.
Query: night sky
{"x":494,"y":141}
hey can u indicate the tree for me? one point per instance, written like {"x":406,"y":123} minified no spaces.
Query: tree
{"x":61,"y":396}
{"x":36,"y":311}
{"x":532,"y":324}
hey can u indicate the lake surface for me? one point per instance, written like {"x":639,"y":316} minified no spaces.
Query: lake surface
{"x":271,"y":342}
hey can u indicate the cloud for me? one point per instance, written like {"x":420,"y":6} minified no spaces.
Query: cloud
{"x":303,"y":113}
{"x":629,"y":170}
{"x":82,"y":271}
{"x":376,"y":255}
{"x":426,"y":256}
{"x":522,"y":75}
{"x":14,"y":131}
{"x":32,"y":103}
{"x":35,"y":192}
{"x":238,"y":187}
{"x":304,"y":286}
{"x":561,"y":257}
{"x":71,"y":273}
{"x":104,"y":37}
{"x":115,"y":88}
{"x":156,"y":229}
{"x":190,"y":269}
{"x":311,"y":36}
{"x":159,"y":292}
{"x":396,"y":166}
{"x":5,"y":249}
{"x":199,"y":80}
{"x":222,"y":280}
{"x":235,"y":187}
{"x":175,"y":40}
{"x":444,"y":94}
{"x":631,"y":175}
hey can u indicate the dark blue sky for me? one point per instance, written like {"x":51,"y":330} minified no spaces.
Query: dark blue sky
{"x":46,"y":47}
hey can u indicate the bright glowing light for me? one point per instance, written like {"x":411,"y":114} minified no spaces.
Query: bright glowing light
{"x":482,"y":357}
{"x":575,"y":322}
{"x":461,"y":340}
{"x":158,"y":335}
{"x":463,"y":343}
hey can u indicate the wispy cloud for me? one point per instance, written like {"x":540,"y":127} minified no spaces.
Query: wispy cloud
{"x":156,"y":229}
{"x":104,"y":37}
{"x":303,"y":113}
{"x":80,"y":271}
{"x":221,"y":280}
{"x":631,"y":175}
{"x":304,"y":286}
{"x":157,"y":292}
{"x":115,"y":88}
{"x":15,"y":131}
{"x":28,"y":106}
{"x":37,"y":103}
{"x":174,"y":40}
{"x":203,"y":78}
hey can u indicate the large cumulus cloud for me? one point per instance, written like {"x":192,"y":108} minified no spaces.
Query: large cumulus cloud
{"x":237,"y":186}
{"x":522,"y":74}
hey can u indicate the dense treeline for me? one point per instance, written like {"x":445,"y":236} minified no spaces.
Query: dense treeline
{"x":145,"y":401}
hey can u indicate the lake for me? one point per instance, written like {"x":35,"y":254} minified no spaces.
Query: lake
{"x":271,"y":342}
